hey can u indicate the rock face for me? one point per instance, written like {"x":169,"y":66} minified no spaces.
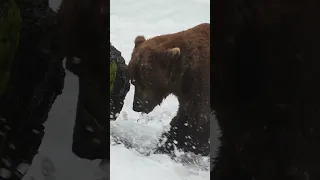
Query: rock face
{"x":89,"y":138}
{"x":37,"y":78}
{"x":121,"y":84}
{"x":10,"y":22}
{"x":85,"y":44}
{"x":84,"y":34}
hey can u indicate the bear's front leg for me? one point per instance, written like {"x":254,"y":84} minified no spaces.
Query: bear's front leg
{"x":166,"y":141}
{"x":185,"y":136}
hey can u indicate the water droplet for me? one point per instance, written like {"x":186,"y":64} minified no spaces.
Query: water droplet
{"x":7,"y":127}
{"x":12,"y":146}
{"x":96,"y":140}
{"x":102,"y":10}
{"x":89,"y":128}
{"x":35,"y":131}
{"x":3,"y":119}
{"x":76,"y":60}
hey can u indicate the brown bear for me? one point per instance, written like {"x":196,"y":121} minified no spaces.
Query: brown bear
{"x":265,"y":74}
{"x":177,"y":64}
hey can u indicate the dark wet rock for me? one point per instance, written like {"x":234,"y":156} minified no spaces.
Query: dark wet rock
{"x":121,"y":86}
{"x":37,"y":78}
{"x":91,"y":134}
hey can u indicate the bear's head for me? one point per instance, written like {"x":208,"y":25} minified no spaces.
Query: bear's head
{"x":151,"y":71}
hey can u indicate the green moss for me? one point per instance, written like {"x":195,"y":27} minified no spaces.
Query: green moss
{"x":10,"y":23}
{"x":113,"y":73}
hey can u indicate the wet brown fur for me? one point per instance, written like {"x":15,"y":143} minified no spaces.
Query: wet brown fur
{"x":177,"y":64}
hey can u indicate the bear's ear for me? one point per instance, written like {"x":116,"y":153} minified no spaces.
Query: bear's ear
{"x":174,"y":53}
{"x":139,"y":40}
{"x":169,"y":56}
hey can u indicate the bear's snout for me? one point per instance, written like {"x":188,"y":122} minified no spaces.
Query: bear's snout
{"x":141,"y":106}
{"x":137,"y":105}
{"x":137,"y":108}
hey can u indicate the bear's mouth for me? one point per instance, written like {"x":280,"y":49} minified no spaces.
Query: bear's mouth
{"x":141,"y":109}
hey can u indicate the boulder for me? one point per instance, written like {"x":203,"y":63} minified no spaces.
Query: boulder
{"x":36,"y":79}
{"x":121,"y":85}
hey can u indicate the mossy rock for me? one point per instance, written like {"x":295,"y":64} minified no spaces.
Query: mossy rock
{"x":10,"y":23}
{"x":113,"y":74}
{"x":119,"y":82}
